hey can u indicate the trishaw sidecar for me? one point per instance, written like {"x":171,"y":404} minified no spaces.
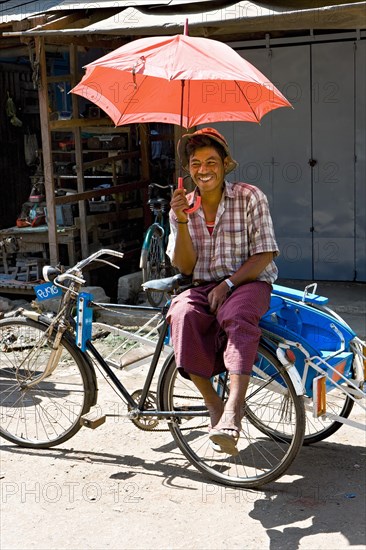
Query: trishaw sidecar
{"x":323,"y":355}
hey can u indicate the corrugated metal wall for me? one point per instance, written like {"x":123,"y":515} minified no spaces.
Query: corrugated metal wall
{"x":310,"y":161}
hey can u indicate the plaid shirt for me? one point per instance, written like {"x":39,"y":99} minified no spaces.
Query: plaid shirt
{"x":243,"y":227}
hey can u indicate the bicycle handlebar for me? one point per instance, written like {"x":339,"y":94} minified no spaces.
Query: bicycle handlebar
{"x":83,"y":263}
{"x":49,"y":272}
{"x":161,"y":186}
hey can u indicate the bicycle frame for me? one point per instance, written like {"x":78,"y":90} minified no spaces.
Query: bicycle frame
{"x":137,"y":408}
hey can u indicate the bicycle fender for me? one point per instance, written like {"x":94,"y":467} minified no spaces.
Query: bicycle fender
{"x":46,"y":321}
{"x":149,"y":233}
{"x":292,"y":372}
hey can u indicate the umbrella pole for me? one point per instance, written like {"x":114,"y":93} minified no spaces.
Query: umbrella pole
{"x":180,"y":175}
{"x":181,"y":121}
{"x":185,"y":32}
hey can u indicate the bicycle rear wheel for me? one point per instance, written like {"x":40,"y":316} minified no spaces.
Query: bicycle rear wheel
{"x":316,"y":429}
{"x":155,"y":265}
{"x":46,"y":413}
{"x":263,"y":455}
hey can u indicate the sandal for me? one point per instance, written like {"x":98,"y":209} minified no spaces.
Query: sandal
{"x":215,"y":447}
{"x":225,"y":441}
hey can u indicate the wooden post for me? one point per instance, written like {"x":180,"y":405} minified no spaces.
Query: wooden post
{"x":73,"y":52}
{"x":47,"y":149}
{"x":145,"y":168}
{"x":145,"y":151}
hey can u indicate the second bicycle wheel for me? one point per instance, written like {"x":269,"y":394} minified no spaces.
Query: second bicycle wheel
{"x":318,"y":429}
{"x":35,"y":412}
{"x":269,"y":420}
{"x":263,"y":456}
{"x":155,"y":265}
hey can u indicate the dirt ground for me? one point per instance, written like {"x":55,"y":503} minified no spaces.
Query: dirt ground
{"x":118,"y":487}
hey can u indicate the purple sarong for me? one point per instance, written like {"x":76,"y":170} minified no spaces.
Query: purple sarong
{"x":205,"y":343}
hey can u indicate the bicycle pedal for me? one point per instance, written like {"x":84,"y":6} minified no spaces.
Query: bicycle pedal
{"x":89,"y":420}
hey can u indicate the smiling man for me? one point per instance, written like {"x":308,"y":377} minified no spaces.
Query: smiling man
{"x":227,"y":246}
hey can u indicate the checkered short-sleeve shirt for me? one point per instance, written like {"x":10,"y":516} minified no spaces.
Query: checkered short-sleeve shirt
{"x":243,"y":227}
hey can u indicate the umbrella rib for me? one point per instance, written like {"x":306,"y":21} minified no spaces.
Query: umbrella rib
{"x":130,"y":100}
{"x":246,"y":99}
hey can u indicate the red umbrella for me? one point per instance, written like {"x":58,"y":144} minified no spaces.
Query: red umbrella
{"x":178,"y":80}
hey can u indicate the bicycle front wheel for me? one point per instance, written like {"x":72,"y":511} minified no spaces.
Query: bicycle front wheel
{"x":155,"y":265}
{"x":263,"y":455}
{"x":45,"y":413}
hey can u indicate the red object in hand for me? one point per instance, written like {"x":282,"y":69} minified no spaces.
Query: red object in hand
{"x":197,"y":203}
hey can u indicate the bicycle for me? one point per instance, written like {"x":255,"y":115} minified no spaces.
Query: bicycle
{"x":154,"y":262}
{"x":49,"y":386}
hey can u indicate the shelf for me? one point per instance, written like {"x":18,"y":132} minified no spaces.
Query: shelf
{"x":71,"y":176}
{"x":86,"y":151}
{"x":117,"y":151}
{"x":70,"y":124}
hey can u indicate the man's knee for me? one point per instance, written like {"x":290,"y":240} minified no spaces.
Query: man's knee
{"x":179,"y":310}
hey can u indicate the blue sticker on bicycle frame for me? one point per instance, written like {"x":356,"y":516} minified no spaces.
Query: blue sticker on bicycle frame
{"x":46,"y":291}
{"x":84,"y":321}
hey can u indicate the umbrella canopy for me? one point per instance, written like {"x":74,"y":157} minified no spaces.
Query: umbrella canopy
{"x":178,"y":80}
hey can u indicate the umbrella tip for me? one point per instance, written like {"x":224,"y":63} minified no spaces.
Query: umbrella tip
{"x":186,"y":28}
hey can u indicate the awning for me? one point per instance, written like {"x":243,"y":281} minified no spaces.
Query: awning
{"x":223,"y":20}
{"x":245,"y":16}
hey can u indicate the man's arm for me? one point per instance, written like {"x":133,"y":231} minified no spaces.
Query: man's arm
{"x":184,"y":256}
{"x":251,"y":268}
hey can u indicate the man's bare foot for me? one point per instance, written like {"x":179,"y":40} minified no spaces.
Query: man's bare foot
{"x":216,"y":409}
{"x":225,"y":434}
{"x":229,"y":423}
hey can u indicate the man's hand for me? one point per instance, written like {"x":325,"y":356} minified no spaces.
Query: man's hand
{"x":217,"y":296}
{"x":179,"y":204}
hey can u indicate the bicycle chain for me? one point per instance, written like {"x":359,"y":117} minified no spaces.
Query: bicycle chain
{"x":141,"y":422}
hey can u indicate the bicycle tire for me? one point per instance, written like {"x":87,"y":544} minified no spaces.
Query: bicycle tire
{"x":154,"y":265}
{"x":262,"y":457}
{"x":49,"y":412}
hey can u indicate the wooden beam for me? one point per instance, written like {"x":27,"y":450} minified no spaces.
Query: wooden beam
{"x":110,"y":160}
{"x":46,"y":150}
{"x":79,"y":122}
{"x":73,"y":52}
{"x":93,"y":193}
{"x":65,"y":21}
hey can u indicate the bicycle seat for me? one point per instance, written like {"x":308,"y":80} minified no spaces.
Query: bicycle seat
{"x":168,"y":284}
